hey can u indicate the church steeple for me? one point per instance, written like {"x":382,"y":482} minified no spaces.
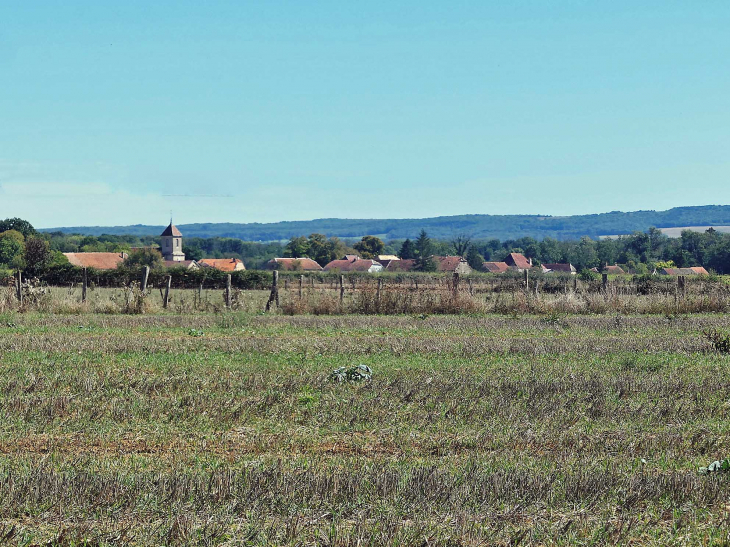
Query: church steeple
{"x":171,"y":244}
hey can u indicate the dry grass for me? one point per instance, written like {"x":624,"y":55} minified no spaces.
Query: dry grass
{"x":558,"y":430}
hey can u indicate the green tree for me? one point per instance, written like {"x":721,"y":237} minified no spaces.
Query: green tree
{"x":18,"y":224}
{"x":145,"y":256}
{"x":474,"y":259}
{"x":10,"y":247}
{"x":424,"y":254}
{"x":369,"y":247}
{"x":38,"y":255}
{"x":461,"y":244}
{"x":297,"y":247}
{"x":192,"y":253}
{"x":407,"y":250}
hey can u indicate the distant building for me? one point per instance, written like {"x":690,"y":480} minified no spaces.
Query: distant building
{"x":614,"y":270}
{"x":696,"y":270}
{"x":187,"y":264}
{"x":517,"y":261}
{"x":293,"y":264}
{"x":223,"y":264}
{"x":380,"y":258}
{"x":353,"y":263}
{"x":454,"y":264}
{"x":171,"y":241}
{"x":402,"y":265}
{"x":495,"y":267}
{"x":559,"y":268}
{"x":98,"y":261}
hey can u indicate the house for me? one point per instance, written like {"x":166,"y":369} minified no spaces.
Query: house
{"x":171,"y":240}
{"x":517,"y":261}
{"x":223,"y":264}
{"x":495,"y":267}
{"x":454,"y":264}
{"x":353,"y":263}
{"x":402,"y":265}
{"x":293,"y":264}
{"x":559,"y":268}
{"x":614,"y":270}
{"x":98,"y":261}
{"x":187,"y":264}
{"x":697,"y":270}
{"x":380,"y":258}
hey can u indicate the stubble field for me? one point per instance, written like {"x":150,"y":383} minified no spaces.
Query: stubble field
{"x":474,"y":430}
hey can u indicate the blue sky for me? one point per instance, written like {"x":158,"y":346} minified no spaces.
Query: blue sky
{"x":261,"y":111}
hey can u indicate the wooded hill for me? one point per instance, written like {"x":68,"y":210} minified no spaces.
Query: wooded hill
{"x":477,"y":226}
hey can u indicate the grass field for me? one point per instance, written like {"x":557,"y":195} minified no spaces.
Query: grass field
{"x":474,"y":430}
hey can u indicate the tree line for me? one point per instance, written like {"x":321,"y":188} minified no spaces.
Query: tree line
{"x":23,"y":248}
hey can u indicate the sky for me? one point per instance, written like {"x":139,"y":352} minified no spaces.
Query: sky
{"x":120,"y":113}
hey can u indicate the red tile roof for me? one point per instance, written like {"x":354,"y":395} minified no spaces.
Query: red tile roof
{"x":357,"y":265}
{"x":518,"y":260}
{"x":402,"y":265}
{"x":187,"y":264}
{"x":613,"y":270}
{"x":495,"y":267}
{"x":697,"y":270}
{"x":451,"y":263}
{"x":99,"y":261}
{"x":223,"y":264}
{"x":294,"y":264}
{"x":566,"y":268}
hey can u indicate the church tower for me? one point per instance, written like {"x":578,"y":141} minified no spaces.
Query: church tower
{"x":171,"y":244}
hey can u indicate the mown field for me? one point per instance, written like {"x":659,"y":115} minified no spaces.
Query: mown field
{"x":474,"y":430}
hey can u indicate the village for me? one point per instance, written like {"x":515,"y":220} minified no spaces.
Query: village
{"x":171,"y":249}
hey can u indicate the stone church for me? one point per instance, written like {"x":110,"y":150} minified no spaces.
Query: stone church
{"x":171,"y":244}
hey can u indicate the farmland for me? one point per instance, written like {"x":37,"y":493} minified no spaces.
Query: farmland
{"x":224,"y":429}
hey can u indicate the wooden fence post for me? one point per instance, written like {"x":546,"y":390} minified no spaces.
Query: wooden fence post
{"x":301,"y":286}
{"x":471,"y":287}
{"x":527,"y":280}
{"x":604,"y":282}
{"x":380,"y":288}
{"x":19,"y":287}
{"x":342,"y":289}
{"x":166,"y":300}
{"x":456,"y":284}
{"x":145,"y":276}
{"x":83,"y":287}
{"x":228,"y":291}
{"x":681,"y":285}
{"x":274,"y":296}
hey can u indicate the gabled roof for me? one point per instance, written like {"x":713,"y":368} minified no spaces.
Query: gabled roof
{"x":380,"y":258}
{"x":450,"y":263}
{"x":298,"y":264}
{"x":187,"y":264}
{"x":357,"y":265}
{"x":567,"y":268}
{"x":402,"y":265}
{"x":171,"y":230}
{"x":99,"y":261}
{"x":696,"y":270}
{"x":224,"y":264}
{"x":518,"y":260}
{"x":495,"y":267}
{"x":613,"y":270}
